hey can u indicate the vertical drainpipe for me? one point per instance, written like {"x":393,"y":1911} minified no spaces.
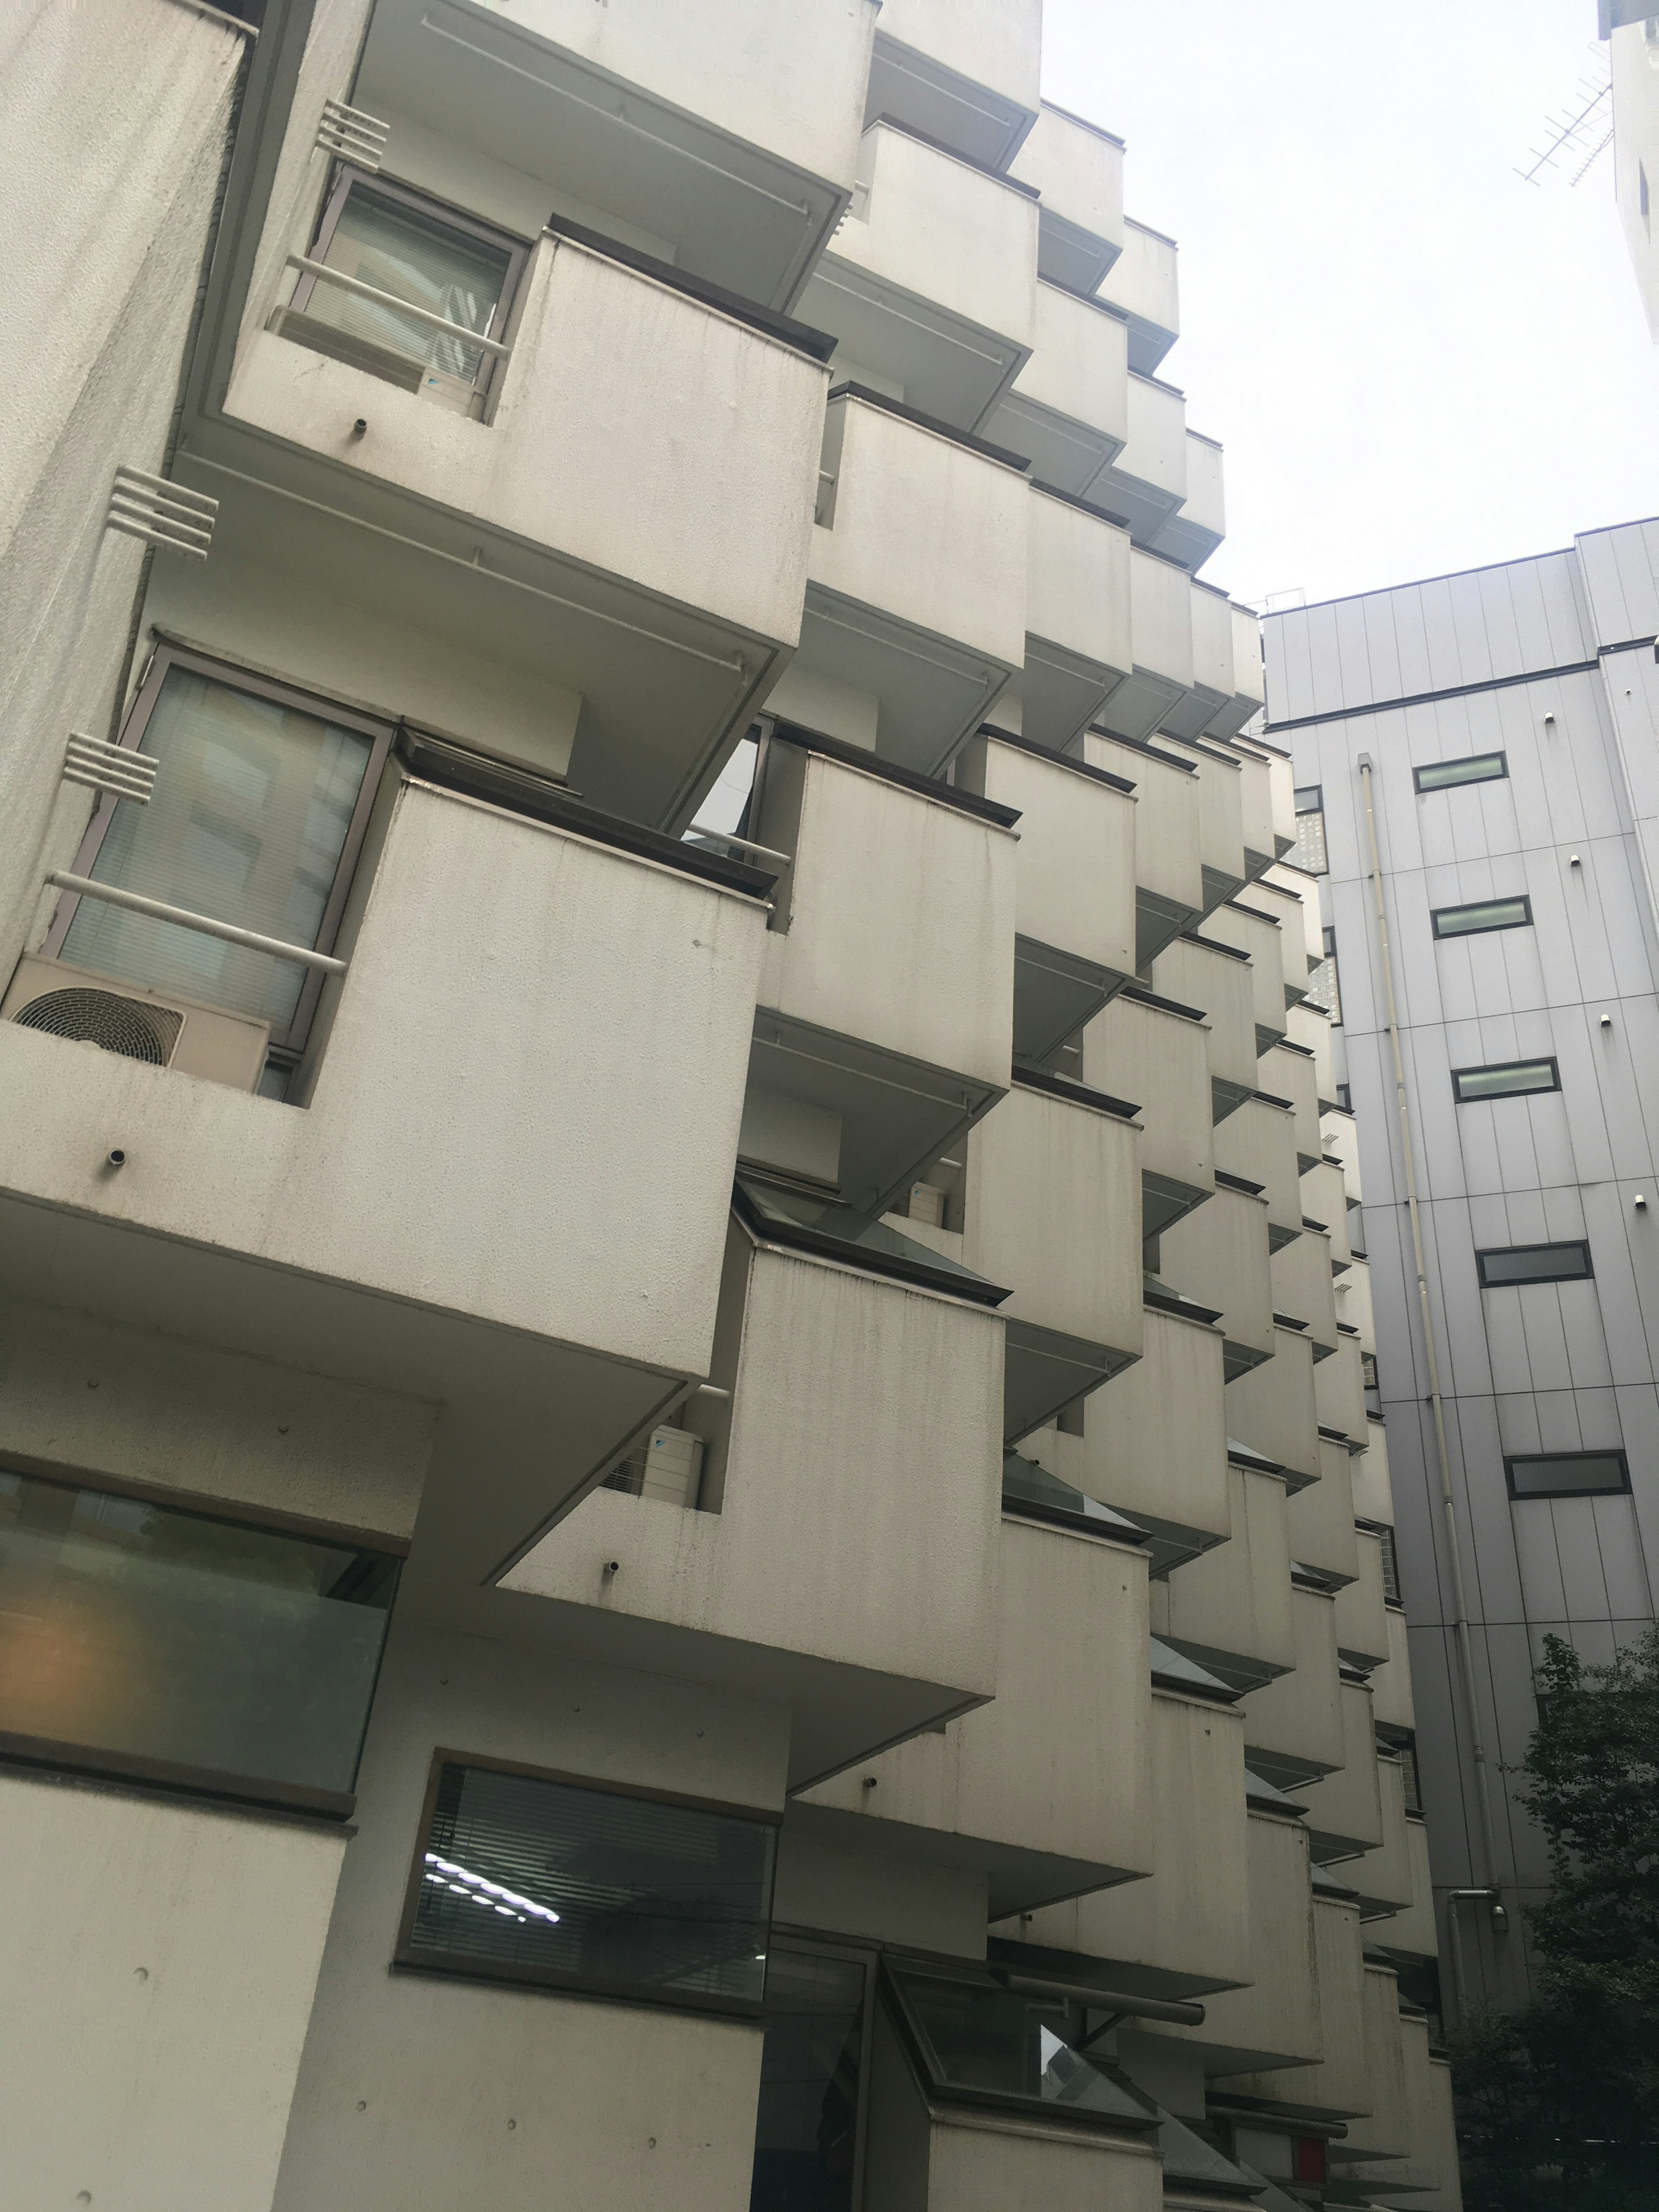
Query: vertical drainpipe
{"x":1454,"y":1552}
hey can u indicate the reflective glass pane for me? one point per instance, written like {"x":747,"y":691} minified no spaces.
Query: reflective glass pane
{"x":138,"y":1630}
{"x":253,"y":802}
{"x":1535,"y":1263}
{"x":420,"y":259}
{"x":1029,"y":1487}
{"x":778,"y":1208}
{"x":999,"y":2040}
{"x":806,"y":2127}
{"x":1490,"y":914}
{"x":1512,"y":1079}
{"x":552,"y":1881}
{"x":1479,"y":767}
{"x":1567,"y":1475}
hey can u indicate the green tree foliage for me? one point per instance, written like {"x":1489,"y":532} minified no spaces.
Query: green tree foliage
{"x":1559,"y":2101}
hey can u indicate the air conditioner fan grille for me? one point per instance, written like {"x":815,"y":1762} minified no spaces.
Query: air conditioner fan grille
{"x":104,"y":1018}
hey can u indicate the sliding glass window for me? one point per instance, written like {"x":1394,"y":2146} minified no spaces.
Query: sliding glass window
{"x":1476,"y":768}
{"x":172,"y":1645}
{"x":258,"y":807}
{"x":531,"y":1877}
{"x":814,"y":2064}
{"x":1534,"y":1263}
{"x":1484,"y":914}
{"x":408,"y":248}
{"x":1505,"y":1079}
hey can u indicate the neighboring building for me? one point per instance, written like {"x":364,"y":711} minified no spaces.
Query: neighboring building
{"x":1509,"y":716}
{"x":686,"y":1515}
{"x":1633,"y":53}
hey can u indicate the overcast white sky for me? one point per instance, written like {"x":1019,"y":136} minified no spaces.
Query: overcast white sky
{"x":1416,"y":361}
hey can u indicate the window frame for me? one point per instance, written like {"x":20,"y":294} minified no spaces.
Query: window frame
{"x":408,"y":1957}
{"x":1526,"y":1282}
{"x":783,"y":1938}
{"x":1512,"y":1460}
{"x":1499,"y":775}
{"x":1523,"y":899}
{"x":1497,"y":1067}
{"x":344,"y":175}
{"x":288,"y":1044}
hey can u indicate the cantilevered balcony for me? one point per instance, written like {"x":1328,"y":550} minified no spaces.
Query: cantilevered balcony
{"x":1185,"y":1930}
{"x":1213,"y":664}
{"x":1074,"y":887}
{"x":1230,"y":1609}
{"x":1275,"y":2020}
{"x":1257,"y":936}
{"x":1293,"y":1725}
{"x":967,"y":76}
{"x":500,"y":971}
{"x":1198,"y":971}
{"x":532,"y":542}
{"x":722,"y":138}
{"x":1078,"y":169}
{"x":1144,"y":282}
{"x":866,"y":1070}
{"x":842,"y":1556}
{"x":1161,"y":633}
{"x":1169,"y":873}
{"x":1153,"y":1443}
{"x":928,"y":283}
{"x":989,"y":1793}
{"x":1199,"y":523}
{"x":1052,"y":1201}
{"x":1068,"y":408}
{"x":916,"y":596}
{"x":1344,"y":1808}
{"x":1273,"y":1407}
{"x":1323,"y":1534}
{"x":1078,"y":642}
{"x":1338,"y":2083}
{"x":1304,"y":1288}
{"x":1218,"y":1256}
{"x":1257,"y":1143}
{"x":1146,"y":483}
{"x":1149,"y":1049}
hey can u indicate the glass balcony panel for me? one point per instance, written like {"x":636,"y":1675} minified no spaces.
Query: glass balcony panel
{"x":806,"y":2132}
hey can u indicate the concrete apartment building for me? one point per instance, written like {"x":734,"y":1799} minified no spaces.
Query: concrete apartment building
{"x":1633,"y":30}
{"x":1508,"y":716}
{"x":687,"y":1514}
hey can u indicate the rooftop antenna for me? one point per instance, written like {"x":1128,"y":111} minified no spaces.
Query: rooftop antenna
{"x":1582,"y":133}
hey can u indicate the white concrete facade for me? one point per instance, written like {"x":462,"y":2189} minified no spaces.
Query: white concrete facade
{"x":684,"y":1483}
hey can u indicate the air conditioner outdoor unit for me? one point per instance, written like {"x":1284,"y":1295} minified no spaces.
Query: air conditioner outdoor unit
{"x":123,"y":1017}
{"x":667,"y":1465}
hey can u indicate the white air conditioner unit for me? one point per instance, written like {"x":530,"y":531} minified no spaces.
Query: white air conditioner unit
{"x":123,"y":1017}
{"x":667,"y":1465}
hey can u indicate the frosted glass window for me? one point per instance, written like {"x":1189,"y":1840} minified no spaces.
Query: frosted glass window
{"x":418,"y":257}
{"x":134,"y":1635}
{"x":1476,"y":768}
{"x":1509,"y":1079}
{"x":1485,"y":914}
{"x":253,"y":804}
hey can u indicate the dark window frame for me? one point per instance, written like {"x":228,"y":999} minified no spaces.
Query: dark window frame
{"x":1512,"y":1460}
{"x":854,"y":1953}
{"x":1522,"y":1282}
{"x":1502,"y":1067}
{"x":408,"y":1957}
{"x":1437,"y":915}
{"x":1499,"y":775}
{"x":287,"y":1044}
{"x":345,"y":175}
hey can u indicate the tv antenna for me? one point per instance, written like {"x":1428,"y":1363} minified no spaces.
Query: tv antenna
{"x":1579,"y":136}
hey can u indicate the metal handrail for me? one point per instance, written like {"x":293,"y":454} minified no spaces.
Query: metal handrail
{"x":159,"y":909}
{"x":361,"y":291}
{"x":742,"y":844}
